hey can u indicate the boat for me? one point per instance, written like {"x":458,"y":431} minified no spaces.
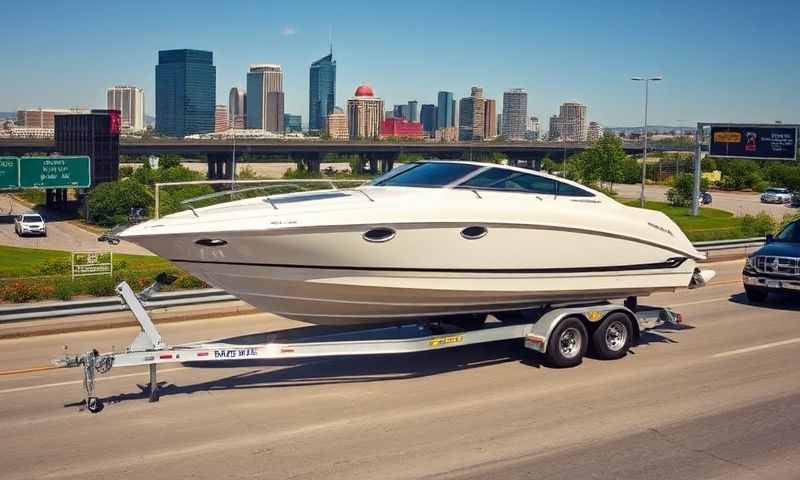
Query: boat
{"x":425,"y":241}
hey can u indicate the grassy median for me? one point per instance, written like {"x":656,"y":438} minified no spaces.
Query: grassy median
{"x":28,"y":274}
{"x":711,"y":224}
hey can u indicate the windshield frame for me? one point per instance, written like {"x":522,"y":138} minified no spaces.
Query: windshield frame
{"x":31,"y":218}
{"x":795,"y":225}
{"x":380,"y":181}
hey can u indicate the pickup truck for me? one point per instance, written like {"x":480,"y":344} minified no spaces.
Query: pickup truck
{"x":775,"y":267}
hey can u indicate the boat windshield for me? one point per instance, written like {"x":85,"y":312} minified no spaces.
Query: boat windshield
{"x":789,"y":234}
{"x":433,"y":174}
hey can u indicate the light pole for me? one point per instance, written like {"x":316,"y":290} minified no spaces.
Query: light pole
{"x":646,"y":81}
{"x":233,"y":162}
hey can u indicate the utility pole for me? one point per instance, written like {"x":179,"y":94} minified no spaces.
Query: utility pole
{"x":646,"y":81}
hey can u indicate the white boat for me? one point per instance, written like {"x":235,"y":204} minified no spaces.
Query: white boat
{"x":428,"y":239}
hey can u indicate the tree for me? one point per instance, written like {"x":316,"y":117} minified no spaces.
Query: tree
{"x":110,"y":203}
{"x":548,"y":165}
{"x":738,"y":174}
{"x":604,"y":159}
{"x":680,"y":195}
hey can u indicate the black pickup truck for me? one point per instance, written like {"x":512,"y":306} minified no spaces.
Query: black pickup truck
{"x":775,"y":267}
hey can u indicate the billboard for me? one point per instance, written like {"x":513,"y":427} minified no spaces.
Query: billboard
{"x":55,"y":172}
{"x":772,"y":142}
{"x":9,"y":172}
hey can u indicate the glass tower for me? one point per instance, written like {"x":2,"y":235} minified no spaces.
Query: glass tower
{"x":321,"y":91}
{"x":186,"y":82}
{"x":445,"y":110}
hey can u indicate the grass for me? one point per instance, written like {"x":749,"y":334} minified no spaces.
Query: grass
{"x":711,"y":224}
{"x":18,"y":262}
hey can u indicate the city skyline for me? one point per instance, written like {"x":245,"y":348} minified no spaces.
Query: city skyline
{"x":559,"y":54}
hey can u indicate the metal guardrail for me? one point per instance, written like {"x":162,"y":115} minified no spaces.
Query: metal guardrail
{"x":40,"y":311}
{"x":37,"y":311}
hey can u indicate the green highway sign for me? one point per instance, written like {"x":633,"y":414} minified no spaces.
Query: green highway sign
{"x":55,"y":172}
{"x":9,"y":172}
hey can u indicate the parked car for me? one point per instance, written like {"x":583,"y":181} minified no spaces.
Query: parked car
{"x":775,"y":267}
{"x":706,"y":198}
{"x":30,"y":224}
{"x":776,"y":195}
{"x":796,"y":199}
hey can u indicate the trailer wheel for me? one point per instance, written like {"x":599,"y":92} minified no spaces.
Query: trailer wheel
{"x":567,"y":344}
{"x":612,"y":337}
{"x":94,"y":404}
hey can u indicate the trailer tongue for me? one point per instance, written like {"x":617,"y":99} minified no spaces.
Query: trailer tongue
{"x":563,"y":334}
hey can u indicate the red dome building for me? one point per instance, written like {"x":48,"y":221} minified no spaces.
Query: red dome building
{"x":364,"y":91}
{"x":364,"y":114}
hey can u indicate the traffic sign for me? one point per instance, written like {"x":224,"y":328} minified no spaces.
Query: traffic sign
{"x":55,"y":172}
{"x":772,"y":142}
{"x":9,"y":172}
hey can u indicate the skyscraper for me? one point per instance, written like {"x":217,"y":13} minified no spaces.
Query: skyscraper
{"x":413,"y":111}
{"x":471,"y":121}
{"x":221,"y":118}
{"x":236,"y":108}
{"x":130,"y":102}
{"x":265,"y":98}
{"x":321,"y":91}
{"x":401,"y":111}
{"x":186,"y":83}
{"x":515,"y":113}
{"x":572,"y":121}
{"x":490,"y":119}
{"x":445,"y":110}
{"x":594,"y":132}
{"x":364,"y":114}
{"x":292,"y":123}
{"x":554,"y":128}
{"x":336,"y":125}
{"x":427,"y":117}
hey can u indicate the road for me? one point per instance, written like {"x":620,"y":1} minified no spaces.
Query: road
{"x":719,"y":398}
{"x":61,"y":235}
{"x":739,"y":203}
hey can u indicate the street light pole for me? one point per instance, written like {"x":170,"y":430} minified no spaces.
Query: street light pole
{"x":646,"y":81}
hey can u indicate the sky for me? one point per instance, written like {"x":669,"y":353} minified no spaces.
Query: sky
{"x":731,"y":61}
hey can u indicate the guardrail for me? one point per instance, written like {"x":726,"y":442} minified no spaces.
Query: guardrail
{"x":37,"y":311}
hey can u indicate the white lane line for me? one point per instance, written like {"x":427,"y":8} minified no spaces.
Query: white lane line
{"x":756,"y":348}
{"x":698,"y":302}
{"x":77,"y":382}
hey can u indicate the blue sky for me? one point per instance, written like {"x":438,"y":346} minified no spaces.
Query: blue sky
{"x":721,"y":60}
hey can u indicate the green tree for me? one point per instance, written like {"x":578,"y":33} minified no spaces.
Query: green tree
{"x":680,"y":195}
{"x":110,"y":203}
{"x":548,"y":165}
{"x":604,"y":159}
{"x":738,"y":174}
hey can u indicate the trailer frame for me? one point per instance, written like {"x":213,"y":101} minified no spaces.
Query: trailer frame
{"x":149,"y":348}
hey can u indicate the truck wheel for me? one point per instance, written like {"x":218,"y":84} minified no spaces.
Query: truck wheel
{"x":755,"y":294}
{"x":567,"y":343}
{"x":612,"y":337}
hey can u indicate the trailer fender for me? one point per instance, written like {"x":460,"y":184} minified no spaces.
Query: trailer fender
{"x":539,"y":336}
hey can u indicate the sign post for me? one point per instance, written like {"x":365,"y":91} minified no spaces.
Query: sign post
{"x":736,"y":140}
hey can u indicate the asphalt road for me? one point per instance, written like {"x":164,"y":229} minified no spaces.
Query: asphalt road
{"x":719,"y":398}
{"x":739,"y":203}
{"x":61,"y":235}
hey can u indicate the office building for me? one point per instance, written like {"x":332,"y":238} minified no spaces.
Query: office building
{"x":401,"y":111}
{"x":321,"y":91}
{"x":413,"y":111}
{"x":186,"y":82}
{"x":95,"y":134}
{"x":471,"y":111}
{"x":515,"y":113}
{"x":336,"y":125}
{"x":42,"y":118}
{"x":265,"y":98}
{"x":446,"y":135}
{"x":594,"y":132}
{"x":445,"y":110}
{"x":554,"y":128}
{"x":130,"y":103}
{"x":364,"y":114}
{"x":400,"y":127}
{"x":237,"y":111}
{"x":427,"y":117}
{"x":490,"y":119}
{"x":533,"y":129}
{"x":221,"y":118}
{"x":292,"y":123}
{"x":572,"y":122}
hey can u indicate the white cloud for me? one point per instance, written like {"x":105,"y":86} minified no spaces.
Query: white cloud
{"x":288,"y":31}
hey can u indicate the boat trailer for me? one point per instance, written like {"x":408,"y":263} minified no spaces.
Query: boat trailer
{"x":562,"y":333}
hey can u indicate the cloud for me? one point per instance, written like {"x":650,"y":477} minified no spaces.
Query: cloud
{"x":288,"y":31}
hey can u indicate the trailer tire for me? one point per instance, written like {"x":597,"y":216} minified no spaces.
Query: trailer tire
{"x":611,"y":339}
{"x":94,"y":404}
{"x":567,"y":343}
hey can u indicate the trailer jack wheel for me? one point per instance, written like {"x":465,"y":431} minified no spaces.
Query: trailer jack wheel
{"x":94,"y":404}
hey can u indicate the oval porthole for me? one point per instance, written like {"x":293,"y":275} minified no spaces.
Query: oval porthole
{"x":474,"y":233}
{"x":379,"y":235}
{"x":211,"y":242}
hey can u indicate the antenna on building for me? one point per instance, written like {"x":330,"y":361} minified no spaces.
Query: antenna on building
{"x":330,"y":39}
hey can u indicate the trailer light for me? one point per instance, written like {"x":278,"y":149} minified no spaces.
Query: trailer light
{"x":202,"y":354}
{"x":165,"y":356}
{"x":678,"y":318}
{"x":535,"y":339}
{"x":287,"y":350}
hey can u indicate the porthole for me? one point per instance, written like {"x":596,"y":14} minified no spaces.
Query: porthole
{"x":211,"y":242}
{"x":379,"y":235}
{"x":474,"y":233}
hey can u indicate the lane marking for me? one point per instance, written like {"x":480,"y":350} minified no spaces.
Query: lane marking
{"x":756,"y":348}
{"x":78,"y":382}
{"x":28,"y":370}
{"x":698,"y":302}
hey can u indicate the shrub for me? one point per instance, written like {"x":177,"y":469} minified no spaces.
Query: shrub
{"x":680,"y":195}
{"x":64,"y":290}
{"x":20,"y":291}
{"x":109,"y":203}
{"x":54,"y":267}
{"x":758,"y":225}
